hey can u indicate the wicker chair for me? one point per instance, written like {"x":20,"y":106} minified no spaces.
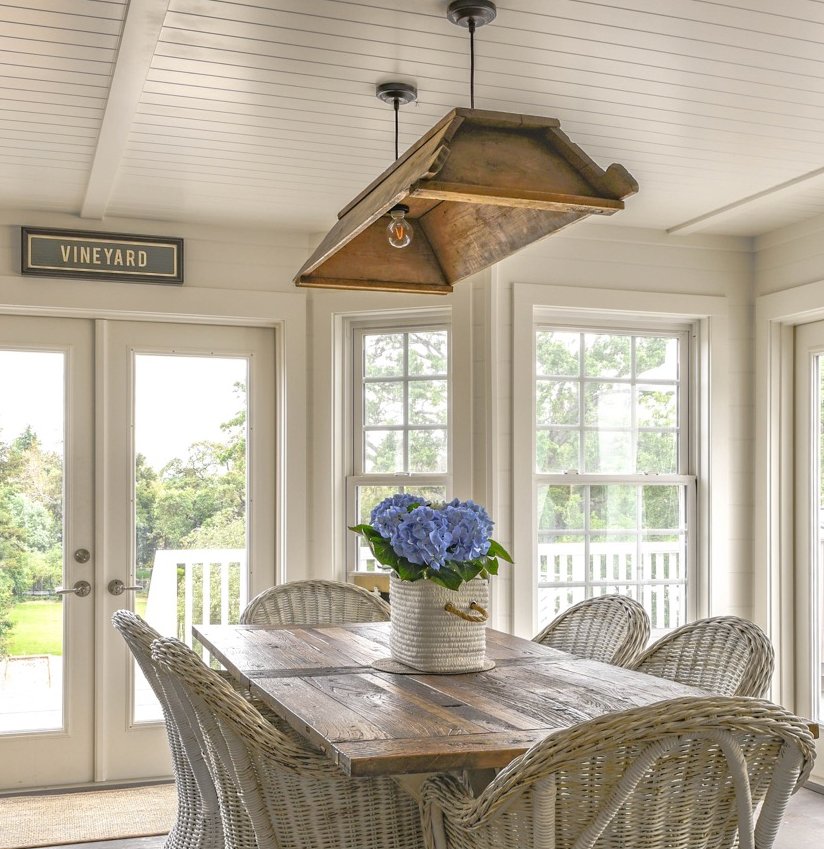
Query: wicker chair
{"x":198,"y":823}
{"x":315,"y":603}
{"x":609,"y":628}
{"x":680,"y":774}
{"x":723,"y":655}
{"x":274,"y":790}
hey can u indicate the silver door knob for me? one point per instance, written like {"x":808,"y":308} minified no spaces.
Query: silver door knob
{"x":81,"y":588}
{"x":117,"y":587}
{"x":82,"y":555}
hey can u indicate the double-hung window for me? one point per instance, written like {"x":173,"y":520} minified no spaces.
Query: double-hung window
{"x":401,"y":421}
{"x":613,"y":492}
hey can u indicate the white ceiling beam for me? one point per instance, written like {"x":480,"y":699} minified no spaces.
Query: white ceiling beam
{"x":141,"y":31}
{"x":701,"y":222}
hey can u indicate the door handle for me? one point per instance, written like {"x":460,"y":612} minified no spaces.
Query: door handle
{"x":117,"y":587}
{"x":80,"y":588}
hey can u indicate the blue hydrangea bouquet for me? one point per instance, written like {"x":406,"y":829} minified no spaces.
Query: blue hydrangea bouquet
{"x":446,"y":543}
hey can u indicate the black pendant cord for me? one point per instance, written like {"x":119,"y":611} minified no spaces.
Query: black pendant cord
{"x":397,"y":107}
{"x":472,"y":62}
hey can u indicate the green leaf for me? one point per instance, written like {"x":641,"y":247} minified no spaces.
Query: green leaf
{"x":491,"y":565}
{"x":446,"y":577}
{"x":468,"y":570}
{"x":407,"y":571}
{"x":497,"y":550}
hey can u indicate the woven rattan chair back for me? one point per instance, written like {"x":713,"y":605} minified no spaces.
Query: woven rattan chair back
{"x":725,"y":655}
{"x":198,"y":823}
{"x":610,"y":628}
{"x":274,"y":789}
{"x":315,"y":603}
{"x":680,"y":774}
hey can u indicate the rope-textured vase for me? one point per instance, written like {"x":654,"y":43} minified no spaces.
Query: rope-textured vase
{"x":434,"y":629}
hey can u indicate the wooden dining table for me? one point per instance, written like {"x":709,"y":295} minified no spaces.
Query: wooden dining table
{"x":321,"y":681}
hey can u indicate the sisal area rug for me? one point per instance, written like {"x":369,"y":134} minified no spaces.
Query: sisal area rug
{"x":28,"y":821}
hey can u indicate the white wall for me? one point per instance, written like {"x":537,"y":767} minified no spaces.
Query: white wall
{"x":253,"y":270}
{"x":789,"y":257}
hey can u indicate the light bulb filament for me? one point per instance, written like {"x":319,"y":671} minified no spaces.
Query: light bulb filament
{"x":400,"y":230}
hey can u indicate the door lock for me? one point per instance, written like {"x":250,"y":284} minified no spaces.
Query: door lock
{"x":81,"y":588}
{"x":82,"y":555}
{"x":117,"y":587}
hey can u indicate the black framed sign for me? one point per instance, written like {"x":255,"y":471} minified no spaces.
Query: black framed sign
{"x":101,"y":256}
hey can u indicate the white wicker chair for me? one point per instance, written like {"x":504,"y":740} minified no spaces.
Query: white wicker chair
{"x":609,"y":628}
{"x":680,"y":774}
{"x":315,"y":603}
{"x":725,"y":655}
{"x":274,"y":790}
{"x":198,"y":823}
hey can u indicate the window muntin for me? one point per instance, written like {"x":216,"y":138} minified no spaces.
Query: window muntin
{"x":606,"y":402}
{"x":611,"y":491}
{"x":402,"y":415}
{"x":404,"y":402}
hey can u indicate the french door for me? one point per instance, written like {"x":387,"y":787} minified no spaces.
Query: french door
{"x":46,"y":528}
{"x":809,"y":528}
{"x":150,"y":477}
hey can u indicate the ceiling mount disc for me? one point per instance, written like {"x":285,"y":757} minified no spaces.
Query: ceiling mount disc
{"x":402,"y":92}
{"x":460,"y":12}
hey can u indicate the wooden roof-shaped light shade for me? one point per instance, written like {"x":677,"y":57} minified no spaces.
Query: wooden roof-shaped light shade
{"x":479,"y":186}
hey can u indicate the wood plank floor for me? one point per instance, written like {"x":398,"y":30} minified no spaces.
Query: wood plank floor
{"x":802,"y":826}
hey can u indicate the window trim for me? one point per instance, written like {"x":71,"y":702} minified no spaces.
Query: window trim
{"x":457,"y":478}
{"x":538,"y":304}
{"x":359,"y":382}
{"x":682,"y":477}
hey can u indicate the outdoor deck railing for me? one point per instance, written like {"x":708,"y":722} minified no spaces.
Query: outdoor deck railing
{"x":658,"y":581}
{"x":201,"y":569}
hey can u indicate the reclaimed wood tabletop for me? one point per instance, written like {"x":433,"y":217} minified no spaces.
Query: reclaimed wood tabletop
{"x":320,"y":680}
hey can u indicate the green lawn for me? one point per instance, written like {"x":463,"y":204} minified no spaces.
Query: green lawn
{"x":37,"y":628}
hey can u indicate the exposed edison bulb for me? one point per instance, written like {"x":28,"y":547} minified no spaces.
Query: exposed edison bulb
{"x":400,"y":230}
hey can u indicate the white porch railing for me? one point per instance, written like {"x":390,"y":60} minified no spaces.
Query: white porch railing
{"x":171,"y":593}
{"x":199,"y":566}
{"x":653,"y":573}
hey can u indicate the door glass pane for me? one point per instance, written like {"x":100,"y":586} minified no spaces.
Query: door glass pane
{"x":31,"y":540}
{"x":190,"y":436}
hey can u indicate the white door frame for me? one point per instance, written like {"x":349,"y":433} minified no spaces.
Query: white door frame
{"x":775,"y":581}
{"x":777,"y":314}
{"x":809,"y":344}
{"x":285,"y":312}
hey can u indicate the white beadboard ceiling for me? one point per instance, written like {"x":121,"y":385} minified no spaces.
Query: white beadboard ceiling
{"x":263,"y":112}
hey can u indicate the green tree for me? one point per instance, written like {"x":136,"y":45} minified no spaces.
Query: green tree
{"x":198,"y":501}
{"x":31,"y":523}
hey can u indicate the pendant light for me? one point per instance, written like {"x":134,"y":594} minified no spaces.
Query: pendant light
{"x":400,"y":231}
{"x":479,"y":186}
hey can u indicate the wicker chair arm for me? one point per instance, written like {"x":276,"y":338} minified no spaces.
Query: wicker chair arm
{"x":445,"y":795}
{"x":567,"y":748}
{"x":246,"y":720}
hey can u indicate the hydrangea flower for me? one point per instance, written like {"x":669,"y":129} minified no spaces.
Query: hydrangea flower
{"x":469,"y":530}
{"x":480,"y":512}
{"x":422,"y":537}
{"x":447,"y":543}
{"x":386,"y":516}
